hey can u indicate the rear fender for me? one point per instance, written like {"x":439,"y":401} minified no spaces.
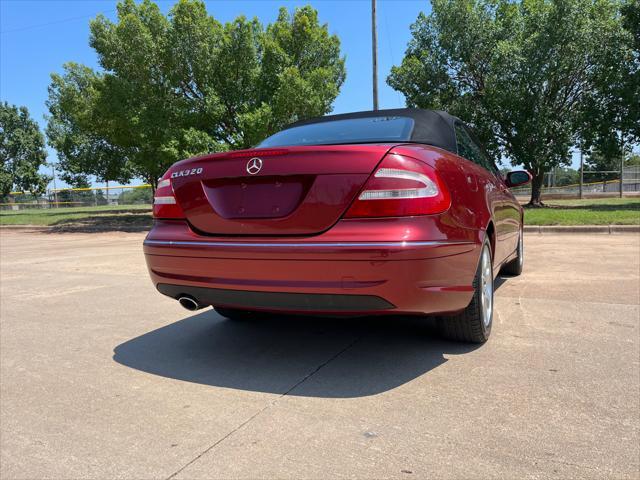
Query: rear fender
{"x":469,"y":206}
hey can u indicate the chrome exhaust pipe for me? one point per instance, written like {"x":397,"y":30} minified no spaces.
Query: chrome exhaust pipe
{"x":189,"y":303}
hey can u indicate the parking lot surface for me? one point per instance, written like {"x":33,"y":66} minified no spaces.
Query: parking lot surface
{"x":102,"y":377}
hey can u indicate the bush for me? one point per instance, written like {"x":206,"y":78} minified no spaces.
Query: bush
{"x":136,"y":196}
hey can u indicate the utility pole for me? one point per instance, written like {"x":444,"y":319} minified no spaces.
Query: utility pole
{"x":374,"y":48}
{"x":621,"y":170}
{"x":55,"y":191}
{"x":581,"y":173}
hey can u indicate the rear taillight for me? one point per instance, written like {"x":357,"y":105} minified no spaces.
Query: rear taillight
{"x":164,"y":201}
{"x":400,"y":187}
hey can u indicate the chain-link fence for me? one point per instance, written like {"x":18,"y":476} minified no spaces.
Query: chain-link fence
{"x":81,"y":197}
{"x":608,"y":184}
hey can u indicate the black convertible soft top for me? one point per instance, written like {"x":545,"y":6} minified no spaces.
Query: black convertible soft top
{"x":432,"y":127}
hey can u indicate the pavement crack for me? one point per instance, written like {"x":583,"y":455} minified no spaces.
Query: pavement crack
{"x":319,"y":367}
{"x":571,"y":301}
{"x":266,"y":407}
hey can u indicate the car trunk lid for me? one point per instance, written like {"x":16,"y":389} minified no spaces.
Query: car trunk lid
{"x":284,"y":191}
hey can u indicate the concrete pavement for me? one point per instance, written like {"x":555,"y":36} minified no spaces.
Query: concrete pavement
{"x":102,"y":377}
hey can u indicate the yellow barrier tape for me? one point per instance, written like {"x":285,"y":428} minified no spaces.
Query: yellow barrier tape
{"x":121,"y":187}
{"x":42,"y":204}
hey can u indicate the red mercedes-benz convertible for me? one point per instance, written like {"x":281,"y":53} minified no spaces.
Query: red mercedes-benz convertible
{"x":379,"y":212}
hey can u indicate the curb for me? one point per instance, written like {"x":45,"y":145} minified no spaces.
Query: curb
{"x":70,"y":228}
{"x":25,"y":227}
{"x":601,"y":229}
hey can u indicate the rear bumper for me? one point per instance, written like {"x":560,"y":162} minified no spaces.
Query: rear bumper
{"x":299,"y":302}
{"x":336,"y":272}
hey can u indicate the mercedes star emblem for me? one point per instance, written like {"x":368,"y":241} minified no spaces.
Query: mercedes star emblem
{"x":254,"y":165}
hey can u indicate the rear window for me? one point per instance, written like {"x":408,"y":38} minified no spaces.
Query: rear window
{"x":352,"y":130}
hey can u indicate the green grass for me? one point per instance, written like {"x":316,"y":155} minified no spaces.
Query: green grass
{"x":106,"y":214}
{"x":605,"y":211}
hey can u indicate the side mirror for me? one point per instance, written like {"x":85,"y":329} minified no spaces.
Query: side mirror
{"x":517,"y":178}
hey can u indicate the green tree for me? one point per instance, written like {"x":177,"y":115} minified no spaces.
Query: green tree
{"x":611,"y":113}
{"x":632,"y":160}
{"x":519,"y":72}
{"x":136,"y":196}
{"x":80,"y":195}
{"x":79,"y":133}
{"x":184,"y":84}
{"x":99,"y":197}
{"x":565,"y":176}
{"x":599,"y":162}
{"x":22,"y":152}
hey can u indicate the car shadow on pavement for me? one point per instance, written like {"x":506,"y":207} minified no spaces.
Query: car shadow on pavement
{"x":303,"y":356}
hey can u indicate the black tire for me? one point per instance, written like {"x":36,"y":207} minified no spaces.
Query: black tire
{"x":515,"y":266}
{"x":470,"y":325}
{"x":236,"y":314}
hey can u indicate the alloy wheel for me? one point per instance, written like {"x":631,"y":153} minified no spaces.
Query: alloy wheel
{"x":486,"y":286}
{"x":521,"y":248}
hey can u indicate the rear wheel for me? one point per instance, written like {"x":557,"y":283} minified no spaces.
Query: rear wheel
{"x":473,"y":324}
{"x":514,"y":267}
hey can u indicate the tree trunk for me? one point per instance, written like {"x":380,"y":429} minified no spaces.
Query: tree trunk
{"x":536,"y":190}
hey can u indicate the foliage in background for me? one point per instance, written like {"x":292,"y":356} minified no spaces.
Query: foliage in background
{"x":598,"y":163}
{"x":80,"y":197}
{"x":184,"y":84}
{"x":522,"y":73}
{"x":22,"y":152}
{"x":611,"y":115}
{"x":632,"y":160}
{"x":565,"y":176}
{"x":141,"y":196}
{"x":79,"y":133}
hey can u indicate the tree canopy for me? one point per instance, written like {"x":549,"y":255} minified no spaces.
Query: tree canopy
{"x":528,"y":76}
{"x":183,"y":84}
{"x":611,"y":113}
{"x":80,"y":133}
{"x":22,"y":152}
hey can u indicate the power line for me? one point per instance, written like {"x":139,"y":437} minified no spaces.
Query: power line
{"x":374,"y":48}
{"x":55,"y":22}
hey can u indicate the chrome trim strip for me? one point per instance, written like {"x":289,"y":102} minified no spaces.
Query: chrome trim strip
{"x":171,"y":243}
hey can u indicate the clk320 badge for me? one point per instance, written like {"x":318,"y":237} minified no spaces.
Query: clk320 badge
{"x":186,"y":173}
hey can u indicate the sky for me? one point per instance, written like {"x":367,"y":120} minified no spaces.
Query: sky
{"x":38,"y":36}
